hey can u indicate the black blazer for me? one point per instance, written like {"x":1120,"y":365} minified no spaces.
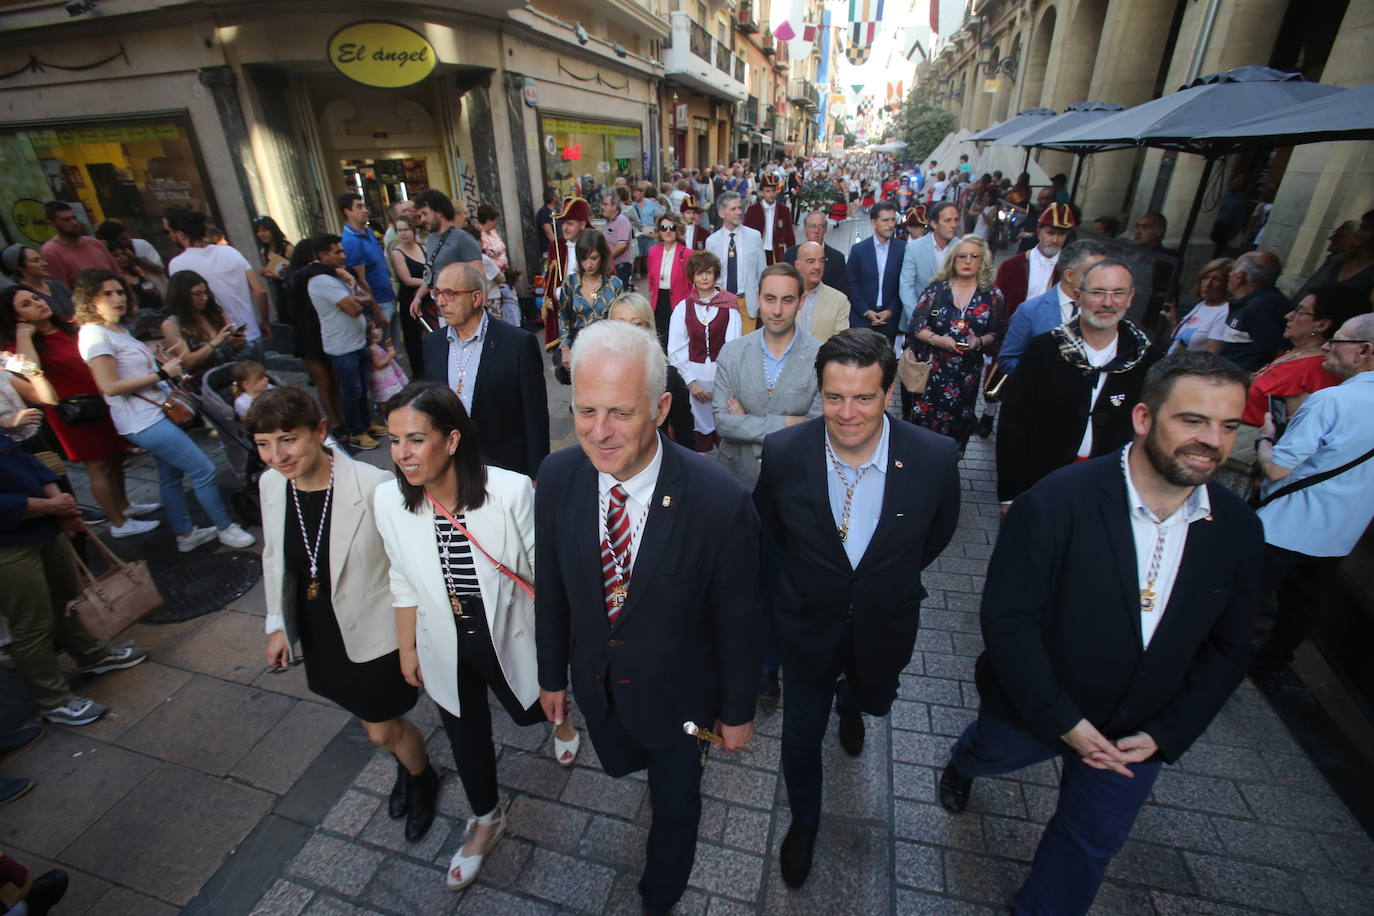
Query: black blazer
{"x":686,"y":644}
{"x":1045,"y":410}
{"x":1061,"y":614}
{"x":834,"y":276}
{"x":510,"y":405}
{"x":818,"y":589}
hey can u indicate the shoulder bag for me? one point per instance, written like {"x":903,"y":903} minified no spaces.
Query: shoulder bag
{"x":82,"y":408}
{"x":1313,"y":480}
{"x":500,"y":567}
{"x":120,"y":596}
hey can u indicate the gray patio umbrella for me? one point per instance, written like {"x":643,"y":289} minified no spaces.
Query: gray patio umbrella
{"x":1076,"y":116}
{"x":1180,"y":120}
{"x":1347,"y":115}
{"x":1023,"y":119}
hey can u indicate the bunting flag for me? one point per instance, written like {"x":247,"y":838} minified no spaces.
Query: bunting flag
{"x":784,"y":31}
{"x":894,"y":95}
{"x":857,"y":87}
{"x":935,"y":17}
{"x":864,"y":16}
{"x":856,"y":55}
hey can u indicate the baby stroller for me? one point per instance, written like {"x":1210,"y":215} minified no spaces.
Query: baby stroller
{"x":216,"y":400}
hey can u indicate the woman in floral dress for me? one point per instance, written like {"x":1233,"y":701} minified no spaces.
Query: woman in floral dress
{"x":958,"y":317}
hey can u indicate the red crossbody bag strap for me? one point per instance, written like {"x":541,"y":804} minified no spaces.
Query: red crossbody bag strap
{"x":500,"y":567}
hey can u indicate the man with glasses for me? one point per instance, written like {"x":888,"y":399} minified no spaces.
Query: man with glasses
{"x":494,"y":368}
{"x":1070,"y":396}
{"x":814,"y":226}
{"x":1318,"y":497}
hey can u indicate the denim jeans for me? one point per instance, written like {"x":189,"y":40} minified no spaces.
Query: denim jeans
{"x":353,"y":371}
{"x":178,"y":457}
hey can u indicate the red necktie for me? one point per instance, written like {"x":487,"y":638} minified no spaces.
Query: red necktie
{"x":615,"y":546}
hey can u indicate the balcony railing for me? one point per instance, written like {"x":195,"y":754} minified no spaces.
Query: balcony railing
{"x":745,"y":23}
{"x":700,"y":41}
{"x":804,"y":92}
{"x":739,"y":69}
{"x":724,"y":59}
{"x":751,"y":110}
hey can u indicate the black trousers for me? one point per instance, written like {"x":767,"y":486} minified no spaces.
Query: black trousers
{"x":1301,"y":586}
{"x":474,"y":755}
{"x":663,"y":313}
{"x":674,"y":791}
{"x":806,"y":714}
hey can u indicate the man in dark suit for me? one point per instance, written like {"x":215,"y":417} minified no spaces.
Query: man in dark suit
{"x":496,"y":370}
{"x":1117,"y":617}
{"x":859,"y":504}
{"x":660,"y":621}
{"x":874,"y":272}
{"x":1071,"y":395}
{"x":814,"y":226}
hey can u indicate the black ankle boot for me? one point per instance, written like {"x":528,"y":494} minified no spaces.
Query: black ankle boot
{"x":423,"y":791}
{"x":400,"y":794}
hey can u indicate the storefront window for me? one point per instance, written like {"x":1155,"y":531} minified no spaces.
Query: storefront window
{"x":383,"y":182}
{"x":128,"y":171}
{"x":589,"y":154}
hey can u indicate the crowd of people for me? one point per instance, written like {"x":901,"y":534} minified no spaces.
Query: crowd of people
{"x":742,"y":517}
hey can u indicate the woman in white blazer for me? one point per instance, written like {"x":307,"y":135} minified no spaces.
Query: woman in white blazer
{"x":460,"y":536}
{"x":326,"y":580}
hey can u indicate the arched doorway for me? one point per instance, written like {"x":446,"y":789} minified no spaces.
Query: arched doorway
{"x":1032,"y":89}
{"x":1076,"y":70}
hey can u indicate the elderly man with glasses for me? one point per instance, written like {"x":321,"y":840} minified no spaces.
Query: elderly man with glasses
{"x":1318,"y":498}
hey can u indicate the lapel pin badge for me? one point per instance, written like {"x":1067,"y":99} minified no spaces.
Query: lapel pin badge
{"x":667,"y":502}
{"x":1118,"y":399}
{"x":898,"y":463}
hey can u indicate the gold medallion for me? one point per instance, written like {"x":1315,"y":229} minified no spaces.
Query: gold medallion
{"x":312,"y":591}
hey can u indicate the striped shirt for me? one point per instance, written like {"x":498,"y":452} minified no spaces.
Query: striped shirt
{"x":455,"y":557}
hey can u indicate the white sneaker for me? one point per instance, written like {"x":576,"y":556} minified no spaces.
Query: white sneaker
{"x":142,"y":508}
{"x":235,"y":536}
{"x":133,"y":526}
{"x":77,"y":711}
{"x":189,"y":542}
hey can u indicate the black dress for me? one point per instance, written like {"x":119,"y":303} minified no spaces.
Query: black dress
{"x":374,"y":691}
{"x":411,"y":330}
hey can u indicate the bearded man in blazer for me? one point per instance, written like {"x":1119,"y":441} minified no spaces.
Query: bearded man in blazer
{"x":496,"y":370}
{"x":859,"y":504}
{"x":1117,"y":617}
{"x":659,"y":619}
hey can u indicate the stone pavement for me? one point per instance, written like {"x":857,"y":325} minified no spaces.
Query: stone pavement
{"x":220,"y":788}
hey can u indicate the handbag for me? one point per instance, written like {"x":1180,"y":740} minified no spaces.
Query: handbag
{"x":500,"y":567}
{"x":81,"y":408}
{"x":178,"y":407}
{"x":120,"y":596}
{"x":914,"y":373}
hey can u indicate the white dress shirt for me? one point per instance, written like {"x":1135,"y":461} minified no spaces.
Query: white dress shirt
{"x":1096,"y":358}
{"x":1145,"y":529}
{"x":880,"y":252}
{"x":768,"y":211}
{"x":639,"y":493}
{"x":1067,"y":307}
{"x":1040,"y":274}
{"x":464,"y":360}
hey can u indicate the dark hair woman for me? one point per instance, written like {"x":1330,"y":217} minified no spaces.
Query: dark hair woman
{"x":586,"y":295}
{"x":28,"y":324}
{"x":275,"y":252}
{"x":25,"y":265}
{"x":471,"y":631}
{"x":408,"y":266}
{"x":143,"y":292}
{"x":327,"y":587}
{"x":135,"y":386}
{"x":306,"y":329}
{"x":195,"y":328}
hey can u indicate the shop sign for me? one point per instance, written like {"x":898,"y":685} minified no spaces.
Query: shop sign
{"x":382,"y":54}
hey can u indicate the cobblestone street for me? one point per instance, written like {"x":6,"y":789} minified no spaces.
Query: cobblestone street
{"x":214,"y":787}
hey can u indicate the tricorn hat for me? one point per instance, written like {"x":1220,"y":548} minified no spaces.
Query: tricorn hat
{"x":916,"y":216}
{"x":1058,"y":216}
{"x":689,"y":203}
{"x":576,"y":208}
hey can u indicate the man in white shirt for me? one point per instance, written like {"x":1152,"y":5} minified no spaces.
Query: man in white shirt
{"x":235,"y":283}
{"x":1027,"y":275}
{"x":772,"y":220}
{"x":740,"y":250}
{"x":1117,"y":616}
{"x":341,"y":305}
{"x":693,"y":234}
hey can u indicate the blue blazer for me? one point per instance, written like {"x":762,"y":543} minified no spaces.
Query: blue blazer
{"x":861,"y":272}
{"x":1035,"y":317}
{"x":818,"y":589}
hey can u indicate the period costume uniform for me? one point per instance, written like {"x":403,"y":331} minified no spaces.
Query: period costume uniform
{"x":562,"y":260}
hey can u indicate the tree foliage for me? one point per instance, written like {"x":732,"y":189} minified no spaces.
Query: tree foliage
{"x":922,"y":125}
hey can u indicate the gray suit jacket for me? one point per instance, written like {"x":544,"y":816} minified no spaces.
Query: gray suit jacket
{"x":739,"y":375}
{"x":918,"y":265}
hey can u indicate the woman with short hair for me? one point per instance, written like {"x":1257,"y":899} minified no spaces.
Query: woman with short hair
{"x":327,"y":587}
{"x":460,"y":537}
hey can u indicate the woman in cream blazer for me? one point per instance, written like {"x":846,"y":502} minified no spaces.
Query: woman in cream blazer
{"x":465,"y":626}
{"x":325,"y":576}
